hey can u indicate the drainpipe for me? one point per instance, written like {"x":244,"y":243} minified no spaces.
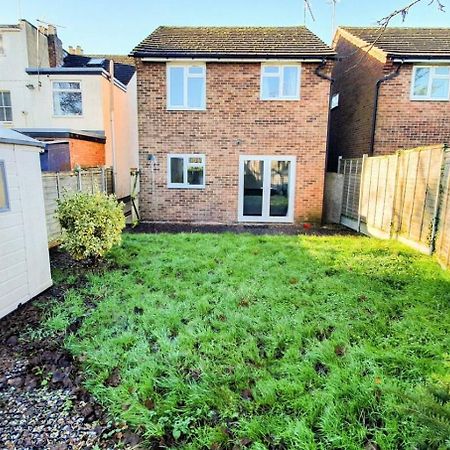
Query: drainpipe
{"x":112,"y":123}
{"x":324,"y":76}
{"x":389,"y":76}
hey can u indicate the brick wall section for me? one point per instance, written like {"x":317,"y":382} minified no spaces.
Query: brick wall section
{"x":234,"y":113}
{"x":404,"y":123}
{"x":401,"y":123}
{"x":86,"y":153}
{"x":351,"y":122}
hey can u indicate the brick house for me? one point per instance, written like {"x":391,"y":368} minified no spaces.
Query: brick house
{"x":232,"y":124}
{"x":391,"y":90}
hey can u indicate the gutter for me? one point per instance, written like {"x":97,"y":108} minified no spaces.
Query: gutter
{"x":380,"y":81}
{"x":228,"y":59}
{"x":423,"y":60}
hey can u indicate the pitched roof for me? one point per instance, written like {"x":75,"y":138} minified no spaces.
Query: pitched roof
{"x":241,"y":42}
{"x":123,"y":72}
{"x":405,"y":41}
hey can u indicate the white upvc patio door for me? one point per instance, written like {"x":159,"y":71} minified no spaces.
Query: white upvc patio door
{"x":266,"y":188}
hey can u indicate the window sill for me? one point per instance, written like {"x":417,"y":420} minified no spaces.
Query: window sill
{"x":185,"y":186}
{"x":67,"y":117}
{"x":430,"y":99}
{"x":280,"y":99}
{"x":186,"y":109}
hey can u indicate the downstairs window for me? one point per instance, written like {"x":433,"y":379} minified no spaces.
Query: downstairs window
{"x":186,"y":171}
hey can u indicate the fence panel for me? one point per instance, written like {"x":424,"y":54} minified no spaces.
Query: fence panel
{"x":56,"y":184}
{"x":403,"y":196}
{"x":443,"y":235}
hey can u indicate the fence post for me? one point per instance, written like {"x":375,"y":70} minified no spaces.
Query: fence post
{"x":339,"y":164}
{"x":361,"y":190}
{"x":102,"y":179}
{"x":57,"y":185}
{"x":394,"y":215}
{"x":437,"y":204}
{"x":79,"y":180}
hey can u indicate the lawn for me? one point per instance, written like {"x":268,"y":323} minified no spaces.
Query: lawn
{"x":202,"y":341}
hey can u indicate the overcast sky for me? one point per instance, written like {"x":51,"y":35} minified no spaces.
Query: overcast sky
{"x":113,"y":26}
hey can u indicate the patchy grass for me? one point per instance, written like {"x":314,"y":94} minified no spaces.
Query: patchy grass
{"x":238,"y":341}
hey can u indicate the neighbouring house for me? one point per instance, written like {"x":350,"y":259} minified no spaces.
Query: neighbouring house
{"x":71,"y":100}
{"x":24,"y":259}
{"x":391,"y":90}
{"x":232,"y":124}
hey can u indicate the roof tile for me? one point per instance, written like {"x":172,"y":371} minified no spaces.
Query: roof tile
{"x":232,"y":42}
{"x":404,"y":41}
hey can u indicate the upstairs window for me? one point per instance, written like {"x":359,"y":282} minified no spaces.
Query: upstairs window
{"x":280,"y":82}
{"x":67,"y":100}
{"x":334,"y":101}
{"x":431,"y":83}
{"x":186,"y":171}
{"x":186,"y":86}
{"x":4,"y":202}
{"x":5,"y":106}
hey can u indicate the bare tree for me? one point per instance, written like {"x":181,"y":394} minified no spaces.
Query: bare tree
{"x":384,"y":22}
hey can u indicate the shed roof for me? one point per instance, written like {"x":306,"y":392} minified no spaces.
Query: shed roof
{"x":406,"y":41}
{"x":242,"y":42}
{"x":8,"y":136}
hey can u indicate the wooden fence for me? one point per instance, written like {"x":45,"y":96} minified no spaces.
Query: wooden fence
{"x":405,"y":196}
{"x":56,"y":184}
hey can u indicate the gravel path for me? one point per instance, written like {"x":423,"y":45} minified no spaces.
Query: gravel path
{"x":43,"y":404}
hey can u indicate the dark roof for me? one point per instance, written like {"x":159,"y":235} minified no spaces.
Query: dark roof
{"x":120,"y":59}
{"x":404,"y":41}
{"x":122,"y":72}
{"x":241,"y":42}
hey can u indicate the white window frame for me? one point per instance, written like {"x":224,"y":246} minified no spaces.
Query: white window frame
{"x":186,"y":165}
{"x":80,"y":90}
{"x":280,"y":75}
{"x":432,"y":76}
{"x":2,"y":45}
{"x":266,"y":217}
{"x":334,"y":101}
{"x":186,"y":75}
{"x":3,"y":179}
{"x":5,"y":107}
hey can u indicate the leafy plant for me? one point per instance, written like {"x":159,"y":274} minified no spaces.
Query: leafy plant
{"x":91,"y":224}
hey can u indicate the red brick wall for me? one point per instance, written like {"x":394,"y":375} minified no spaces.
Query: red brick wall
{"x":234,"y":113}
{"x":355,"y":77}
{"x":401,"y":122}
{"x":405,"y":123}
{"x":86,"y":153}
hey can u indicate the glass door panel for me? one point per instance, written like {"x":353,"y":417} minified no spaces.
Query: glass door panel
{"x":266,"y":188}
{"x":279,"y":188}
{"x":253,"y":188}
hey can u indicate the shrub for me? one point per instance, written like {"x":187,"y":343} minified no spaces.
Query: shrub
{"x":91,"y":224}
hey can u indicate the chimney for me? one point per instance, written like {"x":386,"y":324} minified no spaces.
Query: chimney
{"x":55,"y":49}
{"x":76,"y":51}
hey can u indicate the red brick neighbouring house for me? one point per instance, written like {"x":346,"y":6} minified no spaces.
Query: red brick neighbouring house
{"x":232,"y":124}
{"x":391,"y":90}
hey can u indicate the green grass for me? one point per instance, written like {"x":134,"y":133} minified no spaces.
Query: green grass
{"x":238,"y":341}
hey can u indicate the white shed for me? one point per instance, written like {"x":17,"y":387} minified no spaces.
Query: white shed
{"x":24,"y":258}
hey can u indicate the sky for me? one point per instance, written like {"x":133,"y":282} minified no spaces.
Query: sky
{"x":116,"y":26}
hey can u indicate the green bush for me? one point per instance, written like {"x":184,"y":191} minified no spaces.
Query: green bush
{"x":91,"y":224}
